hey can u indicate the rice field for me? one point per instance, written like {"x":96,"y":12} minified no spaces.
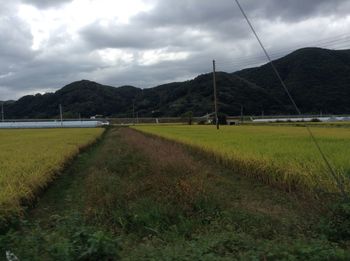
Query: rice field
{"x":283,"y":156}
{"x":30,"y":159}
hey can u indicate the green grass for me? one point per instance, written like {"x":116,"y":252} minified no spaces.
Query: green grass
{"x":278,"y":155}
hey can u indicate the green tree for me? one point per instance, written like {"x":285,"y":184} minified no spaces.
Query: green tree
{"x":188,"y":117}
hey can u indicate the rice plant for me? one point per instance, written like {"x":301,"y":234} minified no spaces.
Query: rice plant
{"x":283,"y":156}
{"x":30,"y":159}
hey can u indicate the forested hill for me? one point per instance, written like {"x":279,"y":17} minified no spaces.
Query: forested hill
{"x":318,"y":79}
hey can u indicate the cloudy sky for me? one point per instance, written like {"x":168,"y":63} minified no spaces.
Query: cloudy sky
{"x":46,"y":44}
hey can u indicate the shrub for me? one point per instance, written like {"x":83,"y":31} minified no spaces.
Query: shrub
{"x":337,"y":225}
{"x":315,"y":120}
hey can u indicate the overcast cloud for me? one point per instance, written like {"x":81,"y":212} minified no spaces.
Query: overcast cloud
{"x":46,"y":44}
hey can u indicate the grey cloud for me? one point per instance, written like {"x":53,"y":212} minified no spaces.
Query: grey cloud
{"x":15,"y":48}
{"x":167,"y":23}
{"x":170,"y":24}
{"x":184,"y":12}
{"x":17,"y":39}
{"x":15,"y":34}
{"x":205,"y":29}
{"x":295,"y":10}
{"x":119,"y":37}
{"x":46,"y":3}
{"x":47,"y":73}
{"x":138,"y":36}
{"x":204,"y":12}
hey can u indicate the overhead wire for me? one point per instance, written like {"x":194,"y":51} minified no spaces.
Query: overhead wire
{"x":251,"y":60}
{"x":313,"y":138}
{"x":277,"y":54}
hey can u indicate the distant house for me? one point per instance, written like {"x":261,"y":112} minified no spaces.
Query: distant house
{"x":97,"y":116}
{"x":232,"y":121}
{"x":210,"y":119}
{"x":207,"y":119}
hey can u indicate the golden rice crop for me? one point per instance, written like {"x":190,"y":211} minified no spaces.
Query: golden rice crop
{"x":29,"y":160}
{"x":283,"y":156}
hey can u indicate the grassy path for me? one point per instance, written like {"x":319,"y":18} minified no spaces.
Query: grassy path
{"x":134,"y":197}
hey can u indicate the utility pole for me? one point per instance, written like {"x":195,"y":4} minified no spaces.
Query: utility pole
{"x":2,"y":112}
{"x":61,"y":115}
{"x":133,"y":110}
{"x":241,"y":113}
{"x":215,"y":97}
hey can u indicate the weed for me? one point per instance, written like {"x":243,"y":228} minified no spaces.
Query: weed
{"x":336,"y":225}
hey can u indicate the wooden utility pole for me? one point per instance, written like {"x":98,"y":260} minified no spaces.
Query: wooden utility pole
{"x":133,"y":111}
{"x":61,"y":116}
{"x":215,"y":97}
{"x":2,"y":111}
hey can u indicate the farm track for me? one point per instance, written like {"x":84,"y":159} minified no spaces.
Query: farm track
{"x":138,"y":197}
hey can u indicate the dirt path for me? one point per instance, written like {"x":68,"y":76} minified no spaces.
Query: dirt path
{"x":135,"y":197}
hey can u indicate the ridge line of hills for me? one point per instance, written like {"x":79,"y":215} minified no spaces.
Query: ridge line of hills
{"x":318,"y":79}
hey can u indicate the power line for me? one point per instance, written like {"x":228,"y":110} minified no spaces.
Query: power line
{"x":332,"y":172}
{"x":256,"y":59}
{"x":343,"y":42}
{"x":339,"y":41}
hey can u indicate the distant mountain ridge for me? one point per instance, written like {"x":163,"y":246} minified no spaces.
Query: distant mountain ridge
{"x":318,"y":79}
